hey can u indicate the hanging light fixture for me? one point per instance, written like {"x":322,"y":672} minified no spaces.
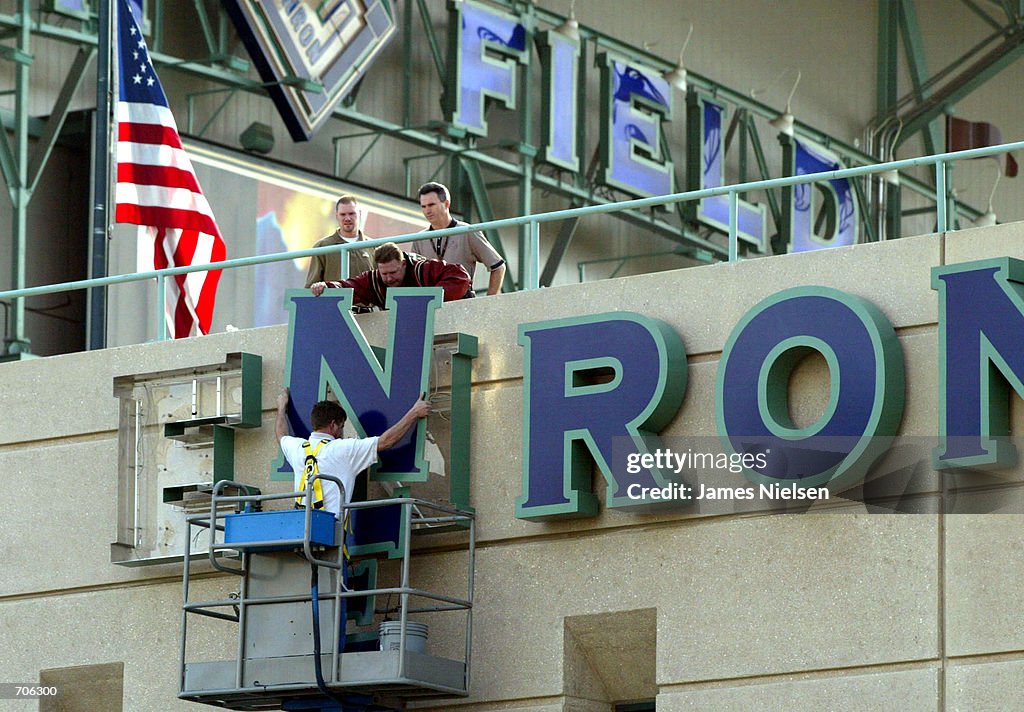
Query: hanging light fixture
{"x":989,"y":218}
{"x":677,"y":76}
{"x":570,"y":28}
{"x":783,"y":123}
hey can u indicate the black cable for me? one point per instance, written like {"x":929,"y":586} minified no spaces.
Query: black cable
{"x":314,"y":590}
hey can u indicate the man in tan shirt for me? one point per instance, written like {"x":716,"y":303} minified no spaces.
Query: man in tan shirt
{"x":466,"y":249}
{"x":328,"y":266}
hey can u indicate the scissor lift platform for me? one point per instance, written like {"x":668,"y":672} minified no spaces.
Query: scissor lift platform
{"x":274,"y":667}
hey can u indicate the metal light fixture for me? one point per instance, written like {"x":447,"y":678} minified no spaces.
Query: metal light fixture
{"x":677,"y":76}
{"x":783,"y":123}
{"x":570,"y":28}
{"x":989,"y":218}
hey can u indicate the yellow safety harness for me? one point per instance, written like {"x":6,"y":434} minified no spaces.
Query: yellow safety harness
{"x":309,"y":470}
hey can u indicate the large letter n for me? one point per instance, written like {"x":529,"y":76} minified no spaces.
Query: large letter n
{"x":326,"y":347}
{"x":981,"y":356}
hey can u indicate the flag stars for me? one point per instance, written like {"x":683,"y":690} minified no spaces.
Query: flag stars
{"x":137,"y":79}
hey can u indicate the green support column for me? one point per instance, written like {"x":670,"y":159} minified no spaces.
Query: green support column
{"x":16,"y":342}
{"x":887,"y":76}
{"x":780,"y":242}
{"x":527,"y":150}
{"x":914,"y":49}
{"x":888,"y":56}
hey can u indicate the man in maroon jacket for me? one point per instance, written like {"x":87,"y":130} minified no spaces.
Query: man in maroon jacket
{"x":400,"y":269}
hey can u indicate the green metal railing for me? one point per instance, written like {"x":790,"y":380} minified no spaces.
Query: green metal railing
{"x":530,"y":259}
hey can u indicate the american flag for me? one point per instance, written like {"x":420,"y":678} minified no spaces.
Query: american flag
{"x":157,"y":188}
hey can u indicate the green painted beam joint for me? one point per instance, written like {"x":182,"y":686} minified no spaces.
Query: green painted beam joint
{"x":16,"y":55}
{"x":303,"y":83}
{"x":236,"y":64}
{"x":445,"y":128}
{"x":524,"y":149}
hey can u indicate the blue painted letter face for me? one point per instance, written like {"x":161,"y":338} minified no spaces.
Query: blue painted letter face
{"x":560,"y":61}
{"x":326,"y":347}
{"x":487,"y":47}
{"x":634,"y":102}
{"x":568,"y":414}
{"x":751,"y":219}
{"x":866,"y":399}
{"x":841,"y":203}
{"x":981,"y":356}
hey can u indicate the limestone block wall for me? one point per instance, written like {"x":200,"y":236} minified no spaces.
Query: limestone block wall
{"x":824,"y":610}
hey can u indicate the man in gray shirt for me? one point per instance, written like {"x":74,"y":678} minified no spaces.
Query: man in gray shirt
{"x":466,"y":249}
{"x":328,"y":267}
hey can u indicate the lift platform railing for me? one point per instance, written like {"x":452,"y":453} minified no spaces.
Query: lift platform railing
{"x":413,"y":518}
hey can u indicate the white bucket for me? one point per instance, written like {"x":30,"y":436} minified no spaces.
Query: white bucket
{"x":415,"y":636}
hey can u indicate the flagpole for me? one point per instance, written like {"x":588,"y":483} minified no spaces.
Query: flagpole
{"x":101,"y":217}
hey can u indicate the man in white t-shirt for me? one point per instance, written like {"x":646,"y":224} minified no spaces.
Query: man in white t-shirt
{"x":339,"y":457}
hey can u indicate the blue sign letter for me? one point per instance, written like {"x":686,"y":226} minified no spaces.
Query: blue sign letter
{"x":840,"y":203}
{"x":866,"y":401}
{"x":485,"y":48}
{"x":981,"y":356}
{"x":634,"y":102}
{"x":706,"y":169}
{"x":590,"y":383}
{"x":559,"y":56}
{"x":326,"y":347}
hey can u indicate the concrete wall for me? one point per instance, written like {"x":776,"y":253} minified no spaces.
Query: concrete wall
{"x":824,"y":610}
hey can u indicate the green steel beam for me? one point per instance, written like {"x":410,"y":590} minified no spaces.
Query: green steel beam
{"x":206,"y":27}
{"x":59,"y":114}
{"x":158,"y":27}
{"x":16,"y":341}
{"x":428,"y":32}
{"x":527,"y":152}
{"x":762,"y":167}
{"x":1006,"y":53}
{"x":914,"y":49}
{"x":8,"y":163}
{"x":980,"y":12}
{"x":406,"y":63}
{"x":744,"y":147}
{"x":865,"y":219}
{"x":566,"y":231}
{"x":887,"y":61}
{"x":362,"y":155}
{"x":482,"y":203}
